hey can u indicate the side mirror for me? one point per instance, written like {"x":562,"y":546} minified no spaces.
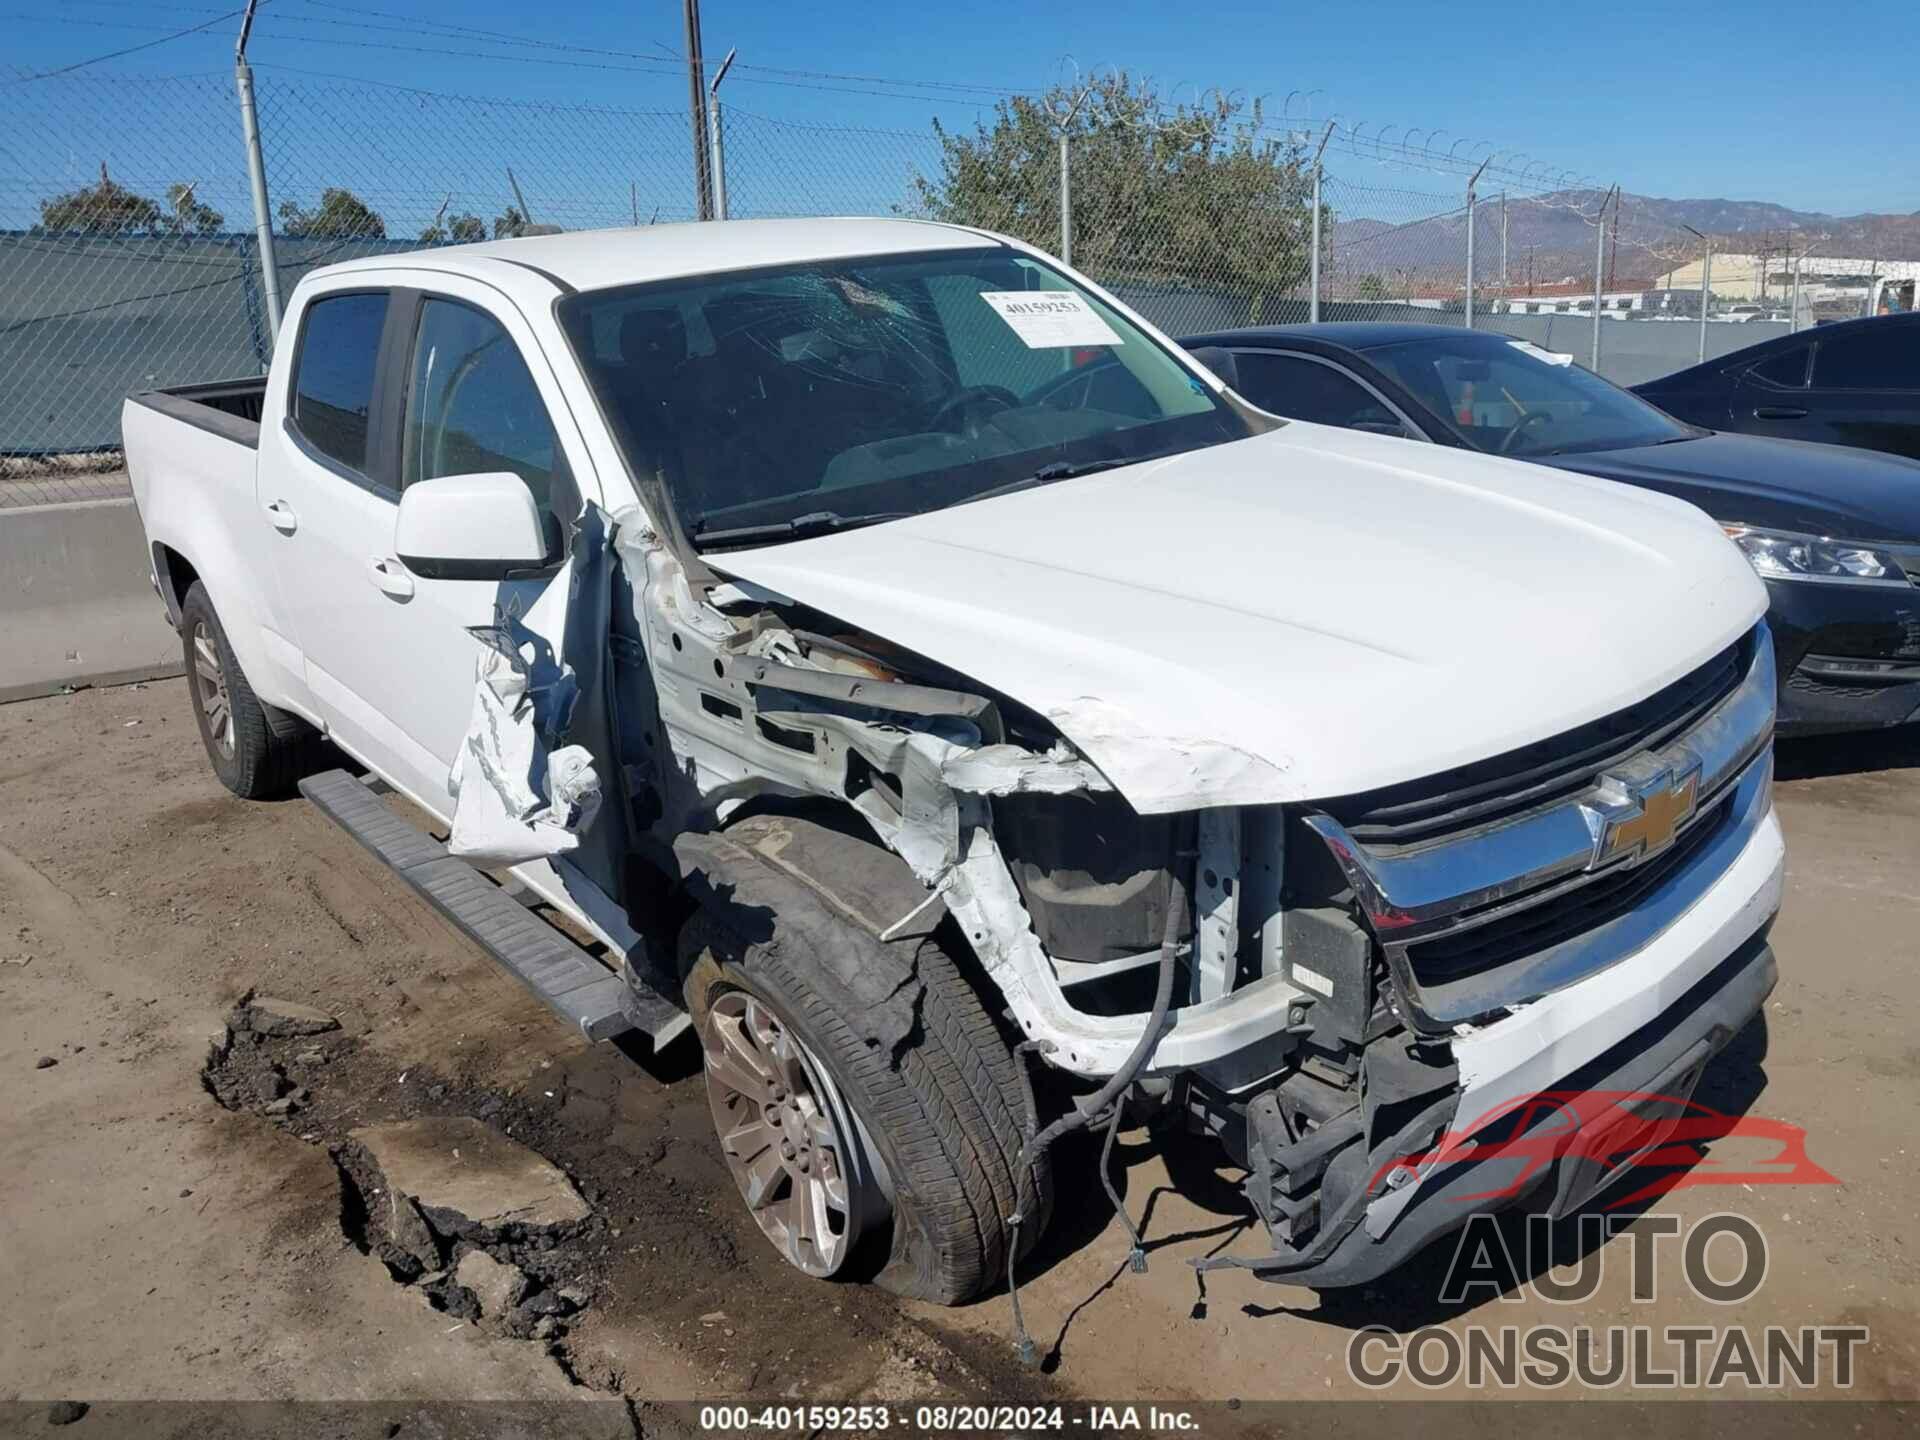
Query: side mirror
{"x":469,"y":527}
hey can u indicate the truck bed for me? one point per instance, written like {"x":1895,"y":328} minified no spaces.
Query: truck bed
{"x":227,"y":408}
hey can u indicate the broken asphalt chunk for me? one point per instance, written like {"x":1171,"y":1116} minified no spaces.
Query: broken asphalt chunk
{"x":465,"y":1175}
{"x":496,"y":1286}
{"x":282,"y":1019}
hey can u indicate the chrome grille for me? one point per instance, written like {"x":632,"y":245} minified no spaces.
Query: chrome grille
{"x":1423,"y":811}
{"x":1491,"y":914}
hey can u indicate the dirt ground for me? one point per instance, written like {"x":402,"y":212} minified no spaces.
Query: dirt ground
{"x":159,"y":1245}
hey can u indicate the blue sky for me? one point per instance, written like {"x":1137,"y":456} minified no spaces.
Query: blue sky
{"x":1813,"y":107}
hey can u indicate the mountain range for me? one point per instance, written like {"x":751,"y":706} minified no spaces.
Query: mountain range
{"x":1554,"y":234}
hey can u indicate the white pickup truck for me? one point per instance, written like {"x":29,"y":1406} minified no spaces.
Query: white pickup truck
{"x":914,"y":668}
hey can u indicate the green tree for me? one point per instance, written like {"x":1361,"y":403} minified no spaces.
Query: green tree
{"x":189,"y":216}
{"x":1161,"y":191}
{"x":340,"y":215}
{"x":1371,"y":287}
{"x":458,"y":230}
{"x":506,"y":226}
{"x":102,"y":209}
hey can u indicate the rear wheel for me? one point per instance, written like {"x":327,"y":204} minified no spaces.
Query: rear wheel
{"x":831,"y":1138}
{"x":256,"y":750}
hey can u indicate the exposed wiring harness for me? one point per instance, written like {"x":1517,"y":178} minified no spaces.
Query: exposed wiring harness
{"x":1109,"y":1096}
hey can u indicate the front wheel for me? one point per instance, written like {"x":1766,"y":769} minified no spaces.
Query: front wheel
{"x":831,"y":1138}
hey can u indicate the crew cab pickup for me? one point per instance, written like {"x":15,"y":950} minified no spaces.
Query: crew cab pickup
{"x":915,"y":669}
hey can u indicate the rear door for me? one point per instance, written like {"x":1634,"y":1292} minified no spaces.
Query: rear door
{"x":458,"y":387}
{"x":1865,"y":387}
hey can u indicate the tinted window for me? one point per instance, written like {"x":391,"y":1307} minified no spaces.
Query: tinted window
{"x":1788,"y":368}
{"x":471,"y":404}
{"x":333,"y":387}
{"x":1303,"y":389}
{"x":1874,"y":357}
{"x":865,"y":388}
{"x":1509,"y":397}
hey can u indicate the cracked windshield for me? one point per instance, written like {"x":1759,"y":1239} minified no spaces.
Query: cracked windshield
{"x":804,"y":399}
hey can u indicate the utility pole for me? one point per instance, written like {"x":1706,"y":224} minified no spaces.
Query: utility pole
{"x":526,"y":215}
{"x":1600,"y":271}
{"x":719,"y":138}
{"x":1313,"y":292}
{"x":1503,"y":242}
{"x":1792,"y":256}
{"x":697,"y":116}
{"x":257,"y":175}
{"x":1066,"y":175}
{"x":1471,"y":202}
{"x":1706,"y":285}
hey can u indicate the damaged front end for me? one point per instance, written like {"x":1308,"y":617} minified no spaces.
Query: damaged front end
{"x":645,"y":724}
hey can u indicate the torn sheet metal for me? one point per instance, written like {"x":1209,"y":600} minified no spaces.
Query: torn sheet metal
{"x":520,"y":792}
{"x":1168,"y":764}
{"x":1010,"y":770}
{"x":514,"y":799}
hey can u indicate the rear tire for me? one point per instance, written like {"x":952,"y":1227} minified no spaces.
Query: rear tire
{"x":945,"y":1116}
{"x":257,"y":751}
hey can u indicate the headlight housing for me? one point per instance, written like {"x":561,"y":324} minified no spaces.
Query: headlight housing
{"x":1785,"y":555}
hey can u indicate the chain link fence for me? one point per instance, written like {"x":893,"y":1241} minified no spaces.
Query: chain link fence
{"x":128,"y":257}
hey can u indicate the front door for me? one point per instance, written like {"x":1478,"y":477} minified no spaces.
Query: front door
{"x":449,"y":392}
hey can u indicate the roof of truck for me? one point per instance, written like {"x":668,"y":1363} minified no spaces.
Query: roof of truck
{"x":598,"y":259}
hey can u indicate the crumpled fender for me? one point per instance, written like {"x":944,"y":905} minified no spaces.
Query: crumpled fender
{"x":778,"y":882}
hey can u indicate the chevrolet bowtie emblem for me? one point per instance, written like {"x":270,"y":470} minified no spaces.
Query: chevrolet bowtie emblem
{"x":1647,"y":814}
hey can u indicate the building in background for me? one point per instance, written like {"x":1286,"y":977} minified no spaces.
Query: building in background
{"x":1828,"y":279}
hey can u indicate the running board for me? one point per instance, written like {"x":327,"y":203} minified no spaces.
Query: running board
{"x":600,"y":1003}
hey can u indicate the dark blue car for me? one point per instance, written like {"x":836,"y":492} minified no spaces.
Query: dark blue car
{"x":1834,"y":533}
{"x":1855,"y":383}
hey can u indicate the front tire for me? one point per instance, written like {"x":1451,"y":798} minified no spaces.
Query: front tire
{"x":930,"y":1138}
{"x":257,"y":751}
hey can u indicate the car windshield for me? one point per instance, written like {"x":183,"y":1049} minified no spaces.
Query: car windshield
{"x":1510,"y":397}
{"x":777,"y":402}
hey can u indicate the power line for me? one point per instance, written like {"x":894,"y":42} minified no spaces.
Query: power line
{"x":925,"y":92}
{"x":505,"y":38}
{"x":131,"y":49}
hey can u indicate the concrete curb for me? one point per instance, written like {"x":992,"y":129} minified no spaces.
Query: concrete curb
{"x":76,"y":601}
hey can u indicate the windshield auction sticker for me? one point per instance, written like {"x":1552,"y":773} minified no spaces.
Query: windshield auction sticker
{"x":1050,"y":319}
{"x":1551,"y":357}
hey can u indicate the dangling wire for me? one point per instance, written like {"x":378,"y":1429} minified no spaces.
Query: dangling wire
{"x":1137,"y":1256}
{"x":1108,"y":1095}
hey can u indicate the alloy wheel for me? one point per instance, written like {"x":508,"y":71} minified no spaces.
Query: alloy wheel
{"x":793,"y":1147}
{"x":210,"y":687}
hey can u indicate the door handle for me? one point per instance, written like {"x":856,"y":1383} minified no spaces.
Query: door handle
{"x":392,"y":578}
{"x":1779,"y":412}
{"x":283,"y":518}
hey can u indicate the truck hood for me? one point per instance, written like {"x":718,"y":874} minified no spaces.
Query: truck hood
{"x":1307,"y":613}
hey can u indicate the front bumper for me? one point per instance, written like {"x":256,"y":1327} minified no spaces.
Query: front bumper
{"x":1848,"y":656}
{"x":1633,"y":1026}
